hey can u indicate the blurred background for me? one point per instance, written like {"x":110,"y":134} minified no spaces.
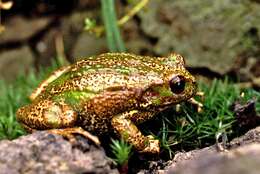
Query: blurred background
{"x":217,"y":38}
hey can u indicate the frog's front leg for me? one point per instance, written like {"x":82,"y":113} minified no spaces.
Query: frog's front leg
{"x":124,"y":125}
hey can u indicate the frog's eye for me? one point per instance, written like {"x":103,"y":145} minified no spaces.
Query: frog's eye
{"x":177,"y":84}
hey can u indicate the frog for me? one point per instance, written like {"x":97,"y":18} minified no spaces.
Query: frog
{"x":111,"y":92}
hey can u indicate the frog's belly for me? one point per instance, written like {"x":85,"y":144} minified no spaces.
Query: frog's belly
{"x":95,"y":124}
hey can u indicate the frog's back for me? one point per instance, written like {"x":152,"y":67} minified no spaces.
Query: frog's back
{"x":111,"y":70}
{"x":125,"y":63}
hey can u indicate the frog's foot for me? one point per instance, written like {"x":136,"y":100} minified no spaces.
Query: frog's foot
{"x":68,"y":133}
{"x":153,"y":145}
{"x":197,"y":103}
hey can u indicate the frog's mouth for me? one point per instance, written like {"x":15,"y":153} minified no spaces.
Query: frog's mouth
{"x":162,"y":96}
{"x":155,"y":98}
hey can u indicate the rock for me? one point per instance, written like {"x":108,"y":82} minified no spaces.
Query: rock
{"x":45,"y":48}
{"x":209,"y":34}
{"x":242,"y":156}
{"x":42,"y":152}
{"x":77,"y":42}
{"x":135,"y":41}
{"x":245,"y":114}
{"x":252,"y":136}
{"x":247,"y":68}
{"x":20,"y":29}
{"x":15,"y":61}
{"x":88,"y":45}
{"x":242,"y":160}
{"x":187,"y":156}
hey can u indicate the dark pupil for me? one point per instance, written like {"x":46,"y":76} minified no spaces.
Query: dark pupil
{"x":177,"y":84}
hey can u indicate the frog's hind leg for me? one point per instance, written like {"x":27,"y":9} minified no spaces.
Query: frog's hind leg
{"x":56,"y":117}
{"x":47,"y":114}
{"x":52,"y":77}
{"x":68,"y":133}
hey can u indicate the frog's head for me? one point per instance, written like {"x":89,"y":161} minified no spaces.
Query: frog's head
{"x":176,"y":85}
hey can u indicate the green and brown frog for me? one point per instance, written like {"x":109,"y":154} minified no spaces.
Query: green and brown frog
{"x":109,"y":92}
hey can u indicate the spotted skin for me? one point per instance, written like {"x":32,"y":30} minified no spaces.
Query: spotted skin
{"x":109,"y":92}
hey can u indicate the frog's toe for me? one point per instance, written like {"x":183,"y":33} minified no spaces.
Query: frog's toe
{"x":153,"y":145}
{"x":197,"y":103}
